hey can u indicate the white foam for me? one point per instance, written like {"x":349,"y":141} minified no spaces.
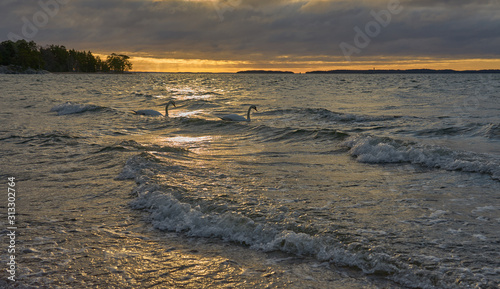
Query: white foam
{"x":133,"y":168}
{"x":167,"y":212}
{"x":72,"y":108}
{"x":437,"y":214}
{"x":487,"y":208}
{"x":368,"y":149}
{"x":480,"y":237}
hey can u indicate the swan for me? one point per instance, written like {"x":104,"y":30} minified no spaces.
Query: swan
{"x":235,"y":117}
{"x":151,"y":112}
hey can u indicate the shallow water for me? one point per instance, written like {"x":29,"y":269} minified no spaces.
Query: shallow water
{"x":339,"y":181}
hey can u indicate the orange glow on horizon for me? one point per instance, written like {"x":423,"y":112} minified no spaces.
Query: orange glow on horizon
{"x":297,"y":65}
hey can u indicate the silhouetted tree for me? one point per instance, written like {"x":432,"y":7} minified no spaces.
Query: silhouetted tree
{"x":21,"y":53}
{"x":56,"y":58}
{"x":8,"y":53}
{"x":102,"y":66}
{"x":91,"y":62}
{"x":119,"y":63}
{"x":29,"y":55}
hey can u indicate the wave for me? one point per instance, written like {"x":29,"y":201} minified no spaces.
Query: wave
{"x":169,"y":210}
{"x":370,"y":149}
{"x":43,"y":138}
{"x":170,"y":214}
{"x":131,"y":145}
{"x":490,"y":131}
{"x":445,"y":131}
{"x":260,"y":132}
{"x":299,"y":135}
{"x":73,"y":108}
{"x":485,"y":130}
{"x":331,"y":116}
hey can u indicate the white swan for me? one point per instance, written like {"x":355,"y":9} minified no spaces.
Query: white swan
{"x":235,"y":117}
{"x":151,"y":112}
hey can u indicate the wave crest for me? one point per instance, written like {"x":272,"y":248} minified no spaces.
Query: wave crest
{"x":369,"y":149}
{"x":73,"y":108}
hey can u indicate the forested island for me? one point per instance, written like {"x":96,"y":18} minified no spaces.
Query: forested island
{"x":27,"y":57}
{"x":376,"y":71}
{"x":265,"y":71}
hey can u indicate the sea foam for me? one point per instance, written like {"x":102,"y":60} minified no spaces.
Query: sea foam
{"x":369,"y":149}
{"x":167,"y":212}
{"x":72,"y":108}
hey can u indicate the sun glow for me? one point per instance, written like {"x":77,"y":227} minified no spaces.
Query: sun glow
{"x":149,"y":64}
{"x":304,"y":64}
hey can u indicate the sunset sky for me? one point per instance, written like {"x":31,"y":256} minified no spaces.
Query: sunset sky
{"x":296,"y":35}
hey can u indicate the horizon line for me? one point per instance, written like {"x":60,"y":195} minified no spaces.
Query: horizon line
{"x":361,"y":71}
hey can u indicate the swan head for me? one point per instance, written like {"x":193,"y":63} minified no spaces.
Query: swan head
{"x":166,"y":107}
{"x":249,"y":109}
{"x":170,"y":103}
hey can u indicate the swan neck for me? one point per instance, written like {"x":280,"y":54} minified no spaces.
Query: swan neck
{"x":248,"y":113}
{"x":166,"y":109}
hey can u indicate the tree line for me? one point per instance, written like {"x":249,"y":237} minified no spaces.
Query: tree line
{"x":56,"y":58}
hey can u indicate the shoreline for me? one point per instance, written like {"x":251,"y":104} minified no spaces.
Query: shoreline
{"x":20,"y":70}
{"x":407,"y":71}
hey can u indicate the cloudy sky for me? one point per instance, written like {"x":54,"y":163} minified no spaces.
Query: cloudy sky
{"x":298,"y":35}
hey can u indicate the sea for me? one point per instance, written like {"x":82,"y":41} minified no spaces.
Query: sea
{"x":338,"y":181}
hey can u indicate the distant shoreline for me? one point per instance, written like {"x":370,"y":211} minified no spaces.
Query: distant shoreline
{"x":265,"y":72}
{"x":376,"y":71}
{"x":408,"y":71}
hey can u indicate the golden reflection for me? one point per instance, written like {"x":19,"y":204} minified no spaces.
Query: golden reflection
{"x":193,"y":143}
{"x":178,"y":140}
{"x":190,"y":97}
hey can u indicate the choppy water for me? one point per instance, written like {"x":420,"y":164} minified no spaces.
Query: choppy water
{"x":339,"y":181}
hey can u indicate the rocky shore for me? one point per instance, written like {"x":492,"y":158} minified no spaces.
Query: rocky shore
{"x":19,"y":70}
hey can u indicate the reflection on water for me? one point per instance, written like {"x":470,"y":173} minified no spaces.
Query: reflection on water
{"x":196,"y":144}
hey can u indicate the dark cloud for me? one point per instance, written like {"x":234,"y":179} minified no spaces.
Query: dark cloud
{"x":241,"y":30}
